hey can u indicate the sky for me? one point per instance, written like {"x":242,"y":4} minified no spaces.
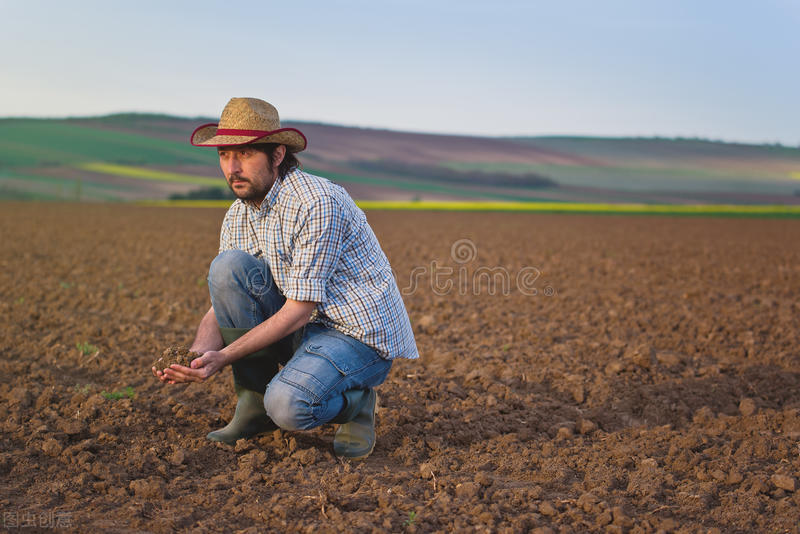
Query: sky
{"x":723,"y":70}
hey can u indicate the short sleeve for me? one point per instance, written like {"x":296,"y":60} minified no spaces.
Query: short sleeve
{"x":318,"y":245}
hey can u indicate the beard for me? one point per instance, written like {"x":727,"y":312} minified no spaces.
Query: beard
{"x":245,"y":190}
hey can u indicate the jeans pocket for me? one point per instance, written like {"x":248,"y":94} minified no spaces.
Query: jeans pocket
{"x":338,"y":363}
{"x":346,"y":354}
{"x":319,"y":366}
{"x":328,"y":360}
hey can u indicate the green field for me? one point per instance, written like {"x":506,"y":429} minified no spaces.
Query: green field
{"x":30,"y":186}
{"x":131,"y":157}
{"x":40,"y":142}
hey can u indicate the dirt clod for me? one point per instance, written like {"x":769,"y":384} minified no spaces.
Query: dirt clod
{"x":149,"y":488}
{"x":586,"y":426}
{"x":426,"y":471}
{"x":734,"y":477}
{"x":180,"y":355}
{"x":747,"y":407}
{"x":467,"y":490}
{"x":784,"y":482}
{"x":547,"y":508}
{"x":51,"y":447}
{"x":177,"y":457}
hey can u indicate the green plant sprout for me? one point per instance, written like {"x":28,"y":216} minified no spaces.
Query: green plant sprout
{"x":412,"y":516}
{"x":86,"y":348}
{"x":125,"y":393}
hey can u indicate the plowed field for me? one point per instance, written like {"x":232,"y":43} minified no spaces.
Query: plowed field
{"x":578,"y":373}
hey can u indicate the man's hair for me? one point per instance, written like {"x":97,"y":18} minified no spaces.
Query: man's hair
{"x":289,"y":162}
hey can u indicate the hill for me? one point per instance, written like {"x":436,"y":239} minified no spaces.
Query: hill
{"x":145,"y":156}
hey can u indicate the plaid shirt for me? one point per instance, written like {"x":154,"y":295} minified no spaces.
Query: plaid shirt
{"x":320,"y":248}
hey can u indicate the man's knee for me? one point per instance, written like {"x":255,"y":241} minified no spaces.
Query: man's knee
{"x":226,"y":269}
{"x":288,"y":406}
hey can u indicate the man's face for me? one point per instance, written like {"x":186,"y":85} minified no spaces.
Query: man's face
{"x":247,"y":171}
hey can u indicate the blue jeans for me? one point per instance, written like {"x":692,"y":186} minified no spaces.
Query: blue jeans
{"x":307,"y":392}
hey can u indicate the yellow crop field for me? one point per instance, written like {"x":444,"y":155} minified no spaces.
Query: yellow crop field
{"x":143,"y":173}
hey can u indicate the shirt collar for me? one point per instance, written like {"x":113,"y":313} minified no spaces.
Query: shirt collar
{"x":268,"y":202}
{"x":272,"y":195}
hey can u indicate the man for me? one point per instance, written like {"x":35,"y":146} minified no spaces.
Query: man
{"x":300,"y":281}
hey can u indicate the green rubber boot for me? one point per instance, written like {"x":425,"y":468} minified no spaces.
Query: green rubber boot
{"x":251,"y":375}
{"x":355,"y":437}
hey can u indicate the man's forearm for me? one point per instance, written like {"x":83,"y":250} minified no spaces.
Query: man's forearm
{"x":208,"y":336}
{"x":292,"y":316}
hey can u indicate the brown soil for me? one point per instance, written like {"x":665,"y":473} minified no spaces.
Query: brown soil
{"x":180,"y":355}
{"x":646,"y":380}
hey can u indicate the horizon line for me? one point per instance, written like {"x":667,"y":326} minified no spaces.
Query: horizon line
{"x":610,"y":137}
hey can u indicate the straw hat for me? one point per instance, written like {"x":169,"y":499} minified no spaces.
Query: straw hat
{"x":248,"y":120}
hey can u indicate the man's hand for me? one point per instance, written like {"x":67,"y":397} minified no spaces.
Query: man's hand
{"x":201,"y":368}
{"x":292,"y":315}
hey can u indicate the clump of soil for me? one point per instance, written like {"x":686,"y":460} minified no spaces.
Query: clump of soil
{"x":180,"y":355}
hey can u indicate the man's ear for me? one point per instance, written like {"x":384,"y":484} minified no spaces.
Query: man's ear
{"x":278,"y":155}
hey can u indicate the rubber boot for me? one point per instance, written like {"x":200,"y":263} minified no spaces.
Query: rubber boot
{"x":355,"y":437}
{"x":251,"y":375}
